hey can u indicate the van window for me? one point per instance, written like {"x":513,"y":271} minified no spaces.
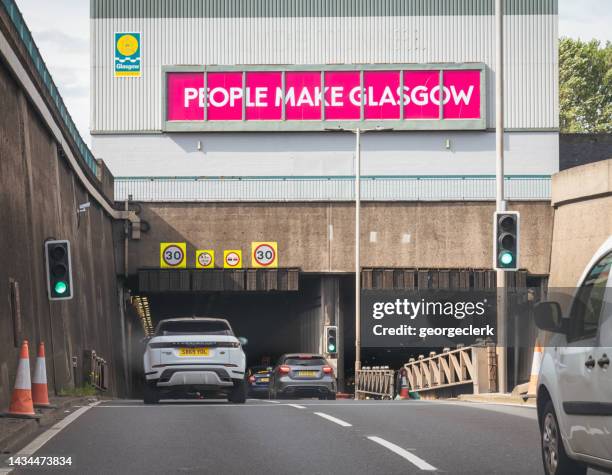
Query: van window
{"x":586,"y":309}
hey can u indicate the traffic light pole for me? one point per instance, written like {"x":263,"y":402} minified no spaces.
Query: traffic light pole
{"x":357,"y":249}
{"x":500,"y":202}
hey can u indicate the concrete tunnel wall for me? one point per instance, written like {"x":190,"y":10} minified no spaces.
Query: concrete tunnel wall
{"x":582,"y":197}
{"x":319,"y":237}
{"x":38,"y":200}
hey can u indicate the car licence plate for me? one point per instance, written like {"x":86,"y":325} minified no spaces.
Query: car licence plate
{"x":264,"y":380}
{"x":194,"y":352}
{"x":307,"y":373}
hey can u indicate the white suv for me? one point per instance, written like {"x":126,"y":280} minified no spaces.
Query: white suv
{"x":574,"y":396}
{"x":194,"y":356}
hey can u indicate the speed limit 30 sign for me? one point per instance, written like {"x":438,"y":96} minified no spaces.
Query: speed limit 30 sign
{"x":264,"y":254}
{"x":172,"y":255}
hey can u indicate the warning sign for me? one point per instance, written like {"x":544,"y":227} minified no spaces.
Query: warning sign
{"x":264,"y":254}
{"x":205,"y":259}
{"x":172,"y":255}
{"x":232,"y":259}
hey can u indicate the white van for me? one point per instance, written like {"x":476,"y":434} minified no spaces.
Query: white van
{"x":574,"y":397}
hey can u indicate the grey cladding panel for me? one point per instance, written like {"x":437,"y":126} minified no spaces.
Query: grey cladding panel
{"x":311,"y":8}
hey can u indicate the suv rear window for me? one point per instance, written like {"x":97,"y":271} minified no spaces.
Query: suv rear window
{"x":305,"y":362}
{"x":194,"y":328}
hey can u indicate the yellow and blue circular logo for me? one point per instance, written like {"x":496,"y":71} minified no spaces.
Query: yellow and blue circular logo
{"x":127,"y":54}
{"x":127,"y":44}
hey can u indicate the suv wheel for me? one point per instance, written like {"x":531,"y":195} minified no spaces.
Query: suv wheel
{"x":556,"y":461}
{"x":239,"y":392}
{"x":151,"y":394}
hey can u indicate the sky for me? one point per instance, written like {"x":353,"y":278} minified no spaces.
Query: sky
{"x":61,"y":31}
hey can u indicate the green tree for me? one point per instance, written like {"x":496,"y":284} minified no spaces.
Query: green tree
{"x":585,"y":86}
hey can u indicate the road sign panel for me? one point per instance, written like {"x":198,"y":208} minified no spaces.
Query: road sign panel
{"x":172,"y":255}
{"x":232,"y":259}
{"x":205,"y":259}
{"x":264,"y":254}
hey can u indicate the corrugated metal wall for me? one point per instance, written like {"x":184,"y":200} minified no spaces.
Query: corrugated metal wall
{"x":134,"y":104}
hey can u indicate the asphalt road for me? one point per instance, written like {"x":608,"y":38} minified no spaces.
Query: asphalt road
{"x":298,"y":437}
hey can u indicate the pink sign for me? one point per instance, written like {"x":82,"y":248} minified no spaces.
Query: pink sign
{"x":224,"y":93}
{"x":382,"y":95}
{"x":417,"y":102}
{"x":308,"y":85}
{"x":403,"y":96}
{"x":264,"y":95}
{"x":184,"y":101}
{"x":342,"y":95}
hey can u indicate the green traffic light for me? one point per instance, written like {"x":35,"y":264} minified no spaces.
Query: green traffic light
{"x":331,"y":347}
{"x":60,"y":287}
{"x":506,"y":258}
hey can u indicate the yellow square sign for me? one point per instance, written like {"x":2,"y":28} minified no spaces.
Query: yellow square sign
{"x":172,"y":255}
{"x":205,"y":259}
{"x":264,"y":255}
{"x":232,"y":259}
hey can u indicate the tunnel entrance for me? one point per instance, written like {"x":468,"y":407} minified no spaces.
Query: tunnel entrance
{"x":271,"y":322}
{"x":274,"y":321}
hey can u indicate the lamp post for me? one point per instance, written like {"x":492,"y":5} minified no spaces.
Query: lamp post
{"x":500,"y":203}
{"x":358,"y":132}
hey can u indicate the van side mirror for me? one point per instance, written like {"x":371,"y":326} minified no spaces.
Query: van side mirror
{"x":243,"y":341}
{"x":548,"y":317}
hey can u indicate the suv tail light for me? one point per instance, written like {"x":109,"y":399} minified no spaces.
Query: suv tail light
{"x":328,"y":369}
{"x":284,"y":369}
{"x":228,"y":344}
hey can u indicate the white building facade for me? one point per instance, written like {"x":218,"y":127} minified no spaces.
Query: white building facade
{"x":252,"y":90}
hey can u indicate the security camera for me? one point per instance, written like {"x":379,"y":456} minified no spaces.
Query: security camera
{"x":83,"y":207}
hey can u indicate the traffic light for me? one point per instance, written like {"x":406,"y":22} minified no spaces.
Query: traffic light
{"x":331,"y":339}
{"x":506,"y":244}
{"x":59,"y":271}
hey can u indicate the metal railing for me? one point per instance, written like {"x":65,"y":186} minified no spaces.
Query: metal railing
{"x":26,"y":37}
{"x":376,"y":381}
{"x":333,"y":188}
{"x":473,"y":365}
{"x":96,"y":370}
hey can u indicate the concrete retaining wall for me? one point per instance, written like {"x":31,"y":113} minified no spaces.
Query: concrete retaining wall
{"x":39,"y":196}
{"x":582,"y":197}
{"x":319,"y":237}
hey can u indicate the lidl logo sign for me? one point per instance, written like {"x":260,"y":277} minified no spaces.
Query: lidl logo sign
{"x":127,"y":55}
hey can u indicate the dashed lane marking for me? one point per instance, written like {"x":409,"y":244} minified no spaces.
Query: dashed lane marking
{"x":340,"y":422}
{"x":297,"y":406}
{"x":419,"y":462}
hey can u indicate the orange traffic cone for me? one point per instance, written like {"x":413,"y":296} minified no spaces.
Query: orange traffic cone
{"x":21,"y":402}
{"x":535,"y":371}
{"x":40,"y":393}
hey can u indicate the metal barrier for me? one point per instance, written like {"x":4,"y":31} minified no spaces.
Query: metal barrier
{"x":376,"y":381}
{"x":472,"y":365}
{"x":26,"y":37}
{"x":332,"y":188}
{"x":96,"y":370}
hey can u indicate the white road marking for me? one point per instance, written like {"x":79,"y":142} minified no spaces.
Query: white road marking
{"x":297,"y":406}
{"x":340,"y":422}
{"x":419,"y":462}
{"x":46,"y":436}
{"x":119,"y":406}
{"x":272,"y":401}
